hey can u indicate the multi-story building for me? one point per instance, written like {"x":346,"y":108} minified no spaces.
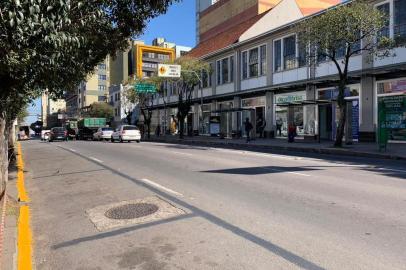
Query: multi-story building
{"x":217,"y":16}
{"x":94,"y":89}
{"x":140,"y":61}
{"x":50,"y":109}
{"x":258,"y":72}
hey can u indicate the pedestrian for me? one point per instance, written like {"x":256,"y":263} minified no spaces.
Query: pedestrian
{"x":279,"y":124}
{"x":291,"y":132}
{"x":158,"y":130}
{"x":261,"y":127}
{"x":248,"y":128}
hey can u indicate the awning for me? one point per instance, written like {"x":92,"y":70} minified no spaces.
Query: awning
{"x":233,"y":110}
{"x":304,"y":103}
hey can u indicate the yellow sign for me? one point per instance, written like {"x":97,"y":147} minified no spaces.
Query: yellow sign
{"x":169,"y":71}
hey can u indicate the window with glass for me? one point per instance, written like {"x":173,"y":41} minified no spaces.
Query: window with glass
{"x":102,"y":87}
{"x":244,"y":65}
{"x":224,"y":70}
{"x":102,"y":66}
{"x":384,"y":32}
{"x":218,"y":72}
{"x":278,"y":55}
{"x":289,"y":52}
{"x":205,"y":78}
{"x":102,"y":77}
{"x":302,"y":55}
{"x":399,"y":27}
{"x":263,"y":59}
{"x":231,"y":68}
{"x":253,"y":63}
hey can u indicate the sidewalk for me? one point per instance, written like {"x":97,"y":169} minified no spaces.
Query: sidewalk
{"x":370,"y":150}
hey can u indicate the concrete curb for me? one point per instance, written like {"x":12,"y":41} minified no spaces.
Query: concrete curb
{"x":298,"y":149}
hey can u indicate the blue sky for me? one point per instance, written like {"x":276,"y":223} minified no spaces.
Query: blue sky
{"x":178,"y":25}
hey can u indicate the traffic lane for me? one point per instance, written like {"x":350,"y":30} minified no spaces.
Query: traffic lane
{"x":349,"y":215}
{"x":66,"y":239}
{"x":227,"y":246}
{"x":327,"y":179}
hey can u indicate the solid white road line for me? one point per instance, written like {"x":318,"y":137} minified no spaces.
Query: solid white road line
{"x":73,"y":150}
{"x":95,"y":159}
{"x":149,"y":182}
{"x":181,"y":153}
{"x":301,"y":174}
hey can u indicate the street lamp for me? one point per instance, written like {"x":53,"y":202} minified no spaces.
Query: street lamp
{"x":201,"y":92}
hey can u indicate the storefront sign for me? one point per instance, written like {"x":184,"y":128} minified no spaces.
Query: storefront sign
{"x":398,"y":86}
{"x":289,"y":98}
{"x":355,"y":120}
{"x":253,"y":102}
{"x":392,"y":118}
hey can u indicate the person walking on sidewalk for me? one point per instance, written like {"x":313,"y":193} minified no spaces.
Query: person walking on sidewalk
{"x":248,"y":128}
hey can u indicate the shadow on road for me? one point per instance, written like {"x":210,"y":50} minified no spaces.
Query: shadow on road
{"x":277,"y":250}
{"x":261,"y":170}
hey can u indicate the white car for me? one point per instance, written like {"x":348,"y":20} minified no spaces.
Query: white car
{"x":103,"y":134}
{"x":126,"y":133}
{"x":45,"y":135}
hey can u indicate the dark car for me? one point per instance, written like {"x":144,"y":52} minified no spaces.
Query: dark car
{"x":58,"y":133}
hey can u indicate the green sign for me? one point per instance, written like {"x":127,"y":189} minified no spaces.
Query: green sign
{"x":391,"y":119}
{"x":145,"y":88}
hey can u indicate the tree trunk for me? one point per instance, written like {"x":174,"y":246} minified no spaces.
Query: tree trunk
{"x":343,"y":115}
{"x":3,"y":154}
{"x":181,"y":120}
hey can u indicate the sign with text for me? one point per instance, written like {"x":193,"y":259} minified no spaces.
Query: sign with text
{"x":169,"y":71}
{"x":145,"y":88}
{"x":392,"y":118}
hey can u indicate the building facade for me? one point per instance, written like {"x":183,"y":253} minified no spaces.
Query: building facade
{"x":258,"y":74}
{"x":138,"y":61}
{"x":50,"y":109}
{"x":94,"y":89}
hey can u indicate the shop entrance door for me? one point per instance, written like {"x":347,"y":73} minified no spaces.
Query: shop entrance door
{"x":325,"y":119}
{"x":250,"y":114}
{"x":259,"y":114}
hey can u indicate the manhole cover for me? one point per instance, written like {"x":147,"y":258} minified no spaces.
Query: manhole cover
{"x":129,"y":211}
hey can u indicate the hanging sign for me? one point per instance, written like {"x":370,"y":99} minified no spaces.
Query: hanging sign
{"x":169,"y":71}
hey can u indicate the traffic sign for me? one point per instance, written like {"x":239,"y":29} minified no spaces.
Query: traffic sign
{"x":169,"y":71}
{"x":145,"y":88}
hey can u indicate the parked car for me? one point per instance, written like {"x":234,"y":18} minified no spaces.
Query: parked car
{"x":86,"y":133}
{"x":45,"y":134}
{"x":58,"y":133}
{"x":103,"y":133}
{"x":126,"y":133}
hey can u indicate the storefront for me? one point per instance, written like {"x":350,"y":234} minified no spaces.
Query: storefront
{"x":255,"y":115}
{"x":225,"y":117}
{"x":286,"y":111}
{"x":204,"y":119}
{"x":329,"y":113}
{"x":392,"y":93}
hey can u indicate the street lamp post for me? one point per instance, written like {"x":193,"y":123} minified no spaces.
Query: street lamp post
{"x":201,"y":93}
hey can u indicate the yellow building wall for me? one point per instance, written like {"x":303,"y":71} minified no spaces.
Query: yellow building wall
{"x":140,"y":49}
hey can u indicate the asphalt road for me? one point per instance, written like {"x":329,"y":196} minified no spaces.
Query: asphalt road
{"x":243,"y":210}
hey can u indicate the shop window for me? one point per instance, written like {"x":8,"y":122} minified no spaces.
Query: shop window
{"x":278,"y":55}
{"x":205,"y":78}
{"x":253,"y":63}
{"x":231,"y":68}
{"x":263,"y":59}
{"x":289,"y":52}
{"x":302,"y":55}
{"x":400,"y":20}
{"x":218,"y":72}
{"x":224,"y":70}
{"x":384,"y":32}
{"x":389,"y":87}
{"x":244,"y":65}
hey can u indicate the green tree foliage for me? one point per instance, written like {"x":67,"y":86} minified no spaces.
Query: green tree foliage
{"x":101,"y":109}
{"x":185,"y":86}
{"x":53,"y":45}
{"x":338,"y":35}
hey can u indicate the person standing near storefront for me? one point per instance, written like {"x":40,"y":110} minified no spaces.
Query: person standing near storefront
{"x":279,"y":124}
{"x":291,"y":132}
{"x":261,"y":126}
{"x":248,"y":128}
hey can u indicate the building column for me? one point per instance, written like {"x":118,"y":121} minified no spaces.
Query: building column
{"x":310,"y":112}
{"x":269,"y":115}
{"x":235,"y":115}
{"x":196,"y":117}
{"x":367,"y":113}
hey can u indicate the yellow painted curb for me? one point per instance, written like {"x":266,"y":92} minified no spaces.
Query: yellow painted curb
{"x":24,"y":251}
{"x":22,"y":194}
{"x":24,"y":240}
